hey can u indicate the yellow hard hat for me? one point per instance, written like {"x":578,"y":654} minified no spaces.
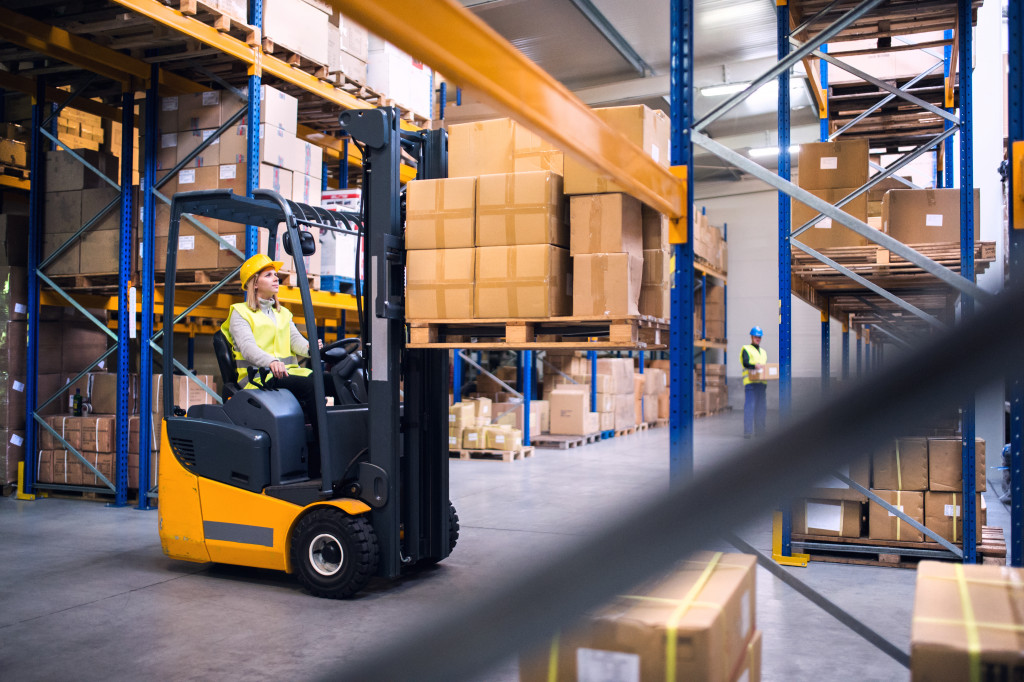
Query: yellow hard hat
{"x":257,"y":264}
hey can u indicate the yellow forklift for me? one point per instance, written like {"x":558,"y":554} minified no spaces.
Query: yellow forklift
{"x":248,"y":482}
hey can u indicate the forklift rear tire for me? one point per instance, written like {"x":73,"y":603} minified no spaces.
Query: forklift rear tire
{"x":334,"y":554}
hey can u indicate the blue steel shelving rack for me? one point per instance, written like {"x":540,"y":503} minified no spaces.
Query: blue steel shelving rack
{"x":1015,"y":384}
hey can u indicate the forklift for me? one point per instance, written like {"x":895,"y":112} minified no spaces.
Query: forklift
{"x":248,"y":482}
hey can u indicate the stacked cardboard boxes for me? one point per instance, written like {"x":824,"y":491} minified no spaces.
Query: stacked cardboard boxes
{"x":709,"y":314}
{"x":648,"y":387}
{"x":571,"y":413}
{"x":400,"y":78}
{"x":299,"y":26}
{"x":922,"y":216}
{"x":709,"y":243}
{"x":470,"y":428}
{"x":348,"y":48}
{"x":656,"y":281}
{"x":712,"y":394}
{"x":622,"y":389}
{"x":831,"y":171}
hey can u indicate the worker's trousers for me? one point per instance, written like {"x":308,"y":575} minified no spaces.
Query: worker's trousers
{"x":755,"y":408}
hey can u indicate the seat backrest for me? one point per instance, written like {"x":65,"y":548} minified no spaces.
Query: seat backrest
{"x":226,"y":362}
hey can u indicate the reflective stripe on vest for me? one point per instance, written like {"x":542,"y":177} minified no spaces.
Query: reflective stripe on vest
{"x":757,"y":356}
{"x":271,"y":335}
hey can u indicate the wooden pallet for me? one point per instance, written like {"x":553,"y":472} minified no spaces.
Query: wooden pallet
{"x":108,"y":282}
{"x":492,"y":455}
{"x":896,"y":17}
{"x":15,"y":172}
{"x":558,"y":442}
{"x":297,"y":60}
{"x":637,"y":332}
{"x":991,"y":550}
{"x":218,"y":19}
{"x":625,"y":432}
{"x":658,"y":423}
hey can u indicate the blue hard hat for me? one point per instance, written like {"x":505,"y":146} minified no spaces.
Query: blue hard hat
{"x":756,"y":331}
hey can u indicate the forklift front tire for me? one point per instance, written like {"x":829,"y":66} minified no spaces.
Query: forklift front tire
{"x":334,"y":554}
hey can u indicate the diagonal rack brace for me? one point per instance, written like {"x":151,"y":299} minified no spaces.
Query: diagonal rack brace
{"x":944,"y":274}
{"x":474,"y":363}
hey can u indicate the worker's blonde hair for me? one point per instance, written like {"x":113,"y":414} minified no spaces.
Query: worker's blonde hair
{"x":251,"y":299}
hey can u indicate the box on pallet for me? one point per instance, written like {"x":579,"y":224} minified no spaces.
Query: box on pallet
{"x":511,"y":414}
{"x":606,"y":284}
{"x":717,"y":643}
{"x":826,"y":165}
{"x":945,"y":465}
{"x":522,"y":281}
{"x":832,"y":488}
{"x":605,"y":223}
{"x":298,"y":26}
{"x":520,"y":208}
{"x":646,"y":128}
{"x":498,"y":146}
{"x":901,"y":464}
{"x":184,"y":391}
{"x":440,"y":214}
{"x":943,"y":513}
{"x":439,"y":284}
{"x":884,"y":525}
{"x":400,"y":78}
{"x":571,"y":415}
{"x":462,"y":416}
{"x":922,"y":216}
{"x":835,"y":518}
{"x":825,"y":233}
{"x":654,"y":228}
{"x":503,"y":437}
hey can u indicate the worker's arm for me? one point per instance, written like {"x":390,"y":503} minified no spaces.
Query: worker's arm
{"x":300,"y":346}
{"x":745,"y":358}
{"x":246,"y":344}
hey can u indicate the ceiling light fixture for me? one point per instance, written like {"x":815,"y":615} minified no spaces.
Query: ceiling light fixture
{"x":724,"y":89}
{"x":758,"y":152}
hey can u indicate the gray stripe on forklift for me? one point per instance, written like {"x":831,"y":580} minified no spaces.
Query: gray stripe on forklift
{"x":239,"y":532}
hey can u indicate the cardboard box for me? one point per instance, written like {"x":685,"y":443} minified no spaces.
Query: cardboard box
{"x":943,"y":513}
{"x":901,"y":464}
{"x":185,"y":392}
{"x":13,"y":240}
{"x":191,"y":179}
{"x":620,"y":371}
{"x":62,"y":212}
{"x":399,"y":77}
{"x":832,"y":488}
{"x":826,"y":165}
{"x":474,"y":438}
{"x":657,"y":268}
{"x":190,"y":140}
{"x":924,"y":216}
{"x":606,"y":284}
{"x":626,"y":640}
{"x":298,"y":26}
{"x":520,"y":208}
{"x":570,"y":413}
{"x":939,"y":649}
{"x":770,"y":372}
{"x":607,"y":421}
{"x":65,"y":173}
{"x":655,"y":300}
{"x":655,"y":381}
{"x":99,"y":392}
{"x":305,"y":189}
{"x":647,"y":128}
{"x":98,"y":433}
{"x":439,"y":284}
{"x":277,"y":179}
{"x":945,"y":465}
{"x":440,"y":214}
{"x":504,"y":438}
{"x":95,"y":200}
{"x":625,"y":411}
{"x":884,"y":525}
{"x":654,"y":229}
{"x":278,"y":108}
{"x":483,"y":407}
{"x":511,"y":414}
{"x":81,"y":343}
{"x":205,"y":110}
{"x":280,"y":148}
{"x":227,"y":258}
{"x":99,"y":253}
{"x":826,"y":234}
{"x":462,"y":416}
{"x":69,"y":262}
{"x":498,"y":146}
{"x":605,"y":402}
{"x":522,"y":281}
{"x":234,"y":146}
{"x":663,"y":405}
{"x":454,"y":439}
{"x":605,"y":223}
{"x":832,"y":518}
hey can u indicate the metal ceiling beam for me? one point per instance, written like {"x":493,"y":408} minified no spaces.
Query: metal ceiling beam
{"x":473,"y":55}
{"x":600,"y":22}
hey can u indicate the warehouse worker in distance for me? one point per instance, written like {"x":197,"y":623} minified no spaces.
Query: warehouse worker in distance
{"x":755,"y":407}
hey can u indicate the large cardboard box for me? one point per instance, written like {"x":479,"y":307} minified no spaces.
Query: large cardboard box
{"x":923,"y":216}
{"x":647,"y":128}
{"x":522,"y":281}
{"x":949,"y":601}
{"x":833,"y":518}
{"x":832,"y":488}
{"x":626,"y":640}
{"x":625,"y":410}
{"x":205,"y":110}
{"x":65,"y":173}
{"x":306,"y":189}
{"x":655,"y":229}
{"x":770,"y":372}
{"x":191,"y":179}
{"x":570,"y":413}
{"x":99,"y":392}
{"x":945,"y":465}
{"x":605,"y":223}
{"x":656,"y":300}
{"x":69,"y":262}
{"x":99,"y":253}
{"x":298,"y":26}
{"x":234,"y":145}
{"x":278,"y":109}
{"x":657,"y":268}
{"x":62,"y":212}
{"x":503,"y":437}
{"x":901,"y":464}
{"x":826,"y":233}
{"x":498,"y":146}
{"x":521,"y":208}
{"x":439,"y":284}
{"x":280,"y":148}
{"x":95,"y":200}
{"x":189,"y":141}
{"x":826,"y":165}
{"x":277,"y":179}
{"x":884,"y":525}
{"x":943,"y":513}
{"x":511,"y":414}
{"x":462,"y":415}
{"x":185,"y":392}
{"x":440,"y":214}
{"x":400,"y":77}
{"x":620,"y":370}
{"x":606,"y":284}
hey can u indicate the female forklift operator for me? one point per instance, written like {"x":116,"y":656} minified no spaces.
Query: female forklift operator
{"x":262,"y":334}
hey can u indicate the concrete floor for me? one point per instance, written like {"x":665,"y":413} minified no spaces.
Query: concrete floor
{"x":85,"y":588}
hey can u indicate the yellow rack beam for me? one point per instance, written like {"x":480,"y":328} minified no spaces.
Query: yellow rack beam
{"x":11,"y":182}
{"x":471,"y":54}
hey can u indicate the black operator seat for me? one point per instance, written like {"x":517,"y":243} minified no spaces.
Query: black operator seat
{"x":226,"y":362}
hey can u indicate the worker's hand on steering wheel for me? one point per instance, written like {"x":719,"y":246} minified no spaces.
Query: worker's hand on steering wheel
{"x":320,"y":344}
{"x":279,"y":369}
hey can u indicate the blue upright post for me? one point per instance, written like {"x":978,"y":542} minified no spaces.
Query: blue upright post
{"x":125,"y":313}
{"x":846,"y":353}
{"x":823,"y":131}
{"x":859,"y":354}
{"x":592,"y":356}
{"x":785,"y":267}
{"x":343,"y":166}
{"x":826,"y":353}
{"x":1015,"y":108}
{"x":456,"y":375}
{"x":681,"y":334}
{"x":458,"y":97}
{"x":35,"y":230}
{"x":252,"y":158}
{"x":147,"y":267}
{"x":725,"y":287}
{"x":966,"y":54}
{"x":947,"y":146}
{"x":519,"y":370}
{"x":323,"y":177}
{"x":442,"y":100}
{"x":640,"y":361}
{"x":703,"y":330}
{"x":527,"y":393}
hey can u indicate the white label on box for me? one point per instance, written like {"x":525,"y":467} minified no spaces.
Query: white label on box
{"x":169,"y":104}
{"x":595,"y":665}
{"x":933,"y":220}
{"x":745,"y":618}
{"x":745,"y":677}
{"x":20,"y":308}
{"x":102,"y":364}
{"x":952,"y":510}
{"x":453,"y":442}
{"x":168,"y":140}
{"x":230,"y":239}
{"x":211,"y":98}
{"x":16,"y":440}
{"x":187,"y":243}
{"x":824,"y":224}
{"x":18,"y":386}
{"x":451,"y":418}
{"x":898,"y":506}
{"x":773,"y":371}
{"x":207,"y":134}
{"x":499,"y":439}
{"x":227,"y":172}
{"x":471,"y":437}
{"x":829,"y":162}
{"x":824,"y":516}
{"x":656,"y":153}
{"x":187,"y":176}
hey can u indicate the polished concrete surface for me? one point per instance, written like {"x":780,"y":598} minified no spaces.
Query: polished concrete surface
{"x":86,"y":592}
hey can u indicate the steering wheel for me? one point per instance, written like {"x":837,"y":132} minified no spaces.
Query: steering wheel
{"x":342,"y":344}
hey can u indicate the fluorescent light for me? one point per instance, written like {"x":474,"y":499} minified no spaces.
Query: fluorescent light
{"x":771,"y":151}
{"x":724,"y":89}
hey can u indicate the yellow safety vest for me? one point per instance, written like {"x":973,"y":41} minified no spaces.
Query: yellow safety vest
{"x":274,"y":338}
{"x":758,"y":356}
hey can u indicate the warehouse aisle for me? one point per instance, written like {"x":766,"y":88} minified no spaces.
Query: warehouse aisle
{"x":87,"y":588}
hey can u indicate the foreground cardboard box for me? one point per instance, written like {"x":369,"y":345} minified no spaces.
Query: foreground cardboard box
{"x":924,"y":216}
{"x":714,"y":641}
{"x":943,"y":513}
{"x":606,"y":284}
{"x":901,"y":464}
{"x":825,"y":233}
{"x":770,"y":372}
{"x":605,"y":223}
{"x":439,"y":284}
{"x":570,"y":413}
{"x":946,"y":464}
{"x":828,"y":165}
{"x":833,"y":518}
{"x":440,"y":214}
{"x":949,"y":601}
{"x":498,"y":146}
{"x":521,"y":208}
{"x":884,"y":525}
{"x":522,"y":281}
{"x":646,"y":128}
